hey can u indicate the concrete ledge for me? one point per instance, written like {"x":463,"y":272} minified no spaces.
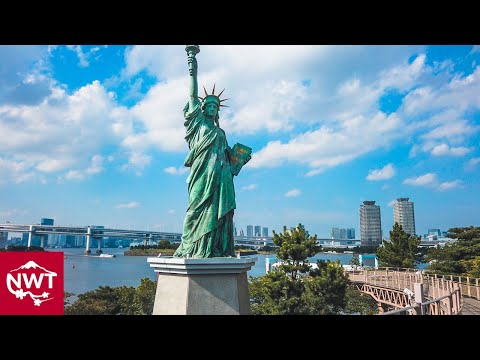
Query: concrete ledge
{"x":221,"y":265}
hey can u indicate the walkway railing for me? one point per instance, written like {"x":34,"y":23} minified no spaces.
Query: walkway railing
{"x":433,"y":295}
{"x":470,"y":286}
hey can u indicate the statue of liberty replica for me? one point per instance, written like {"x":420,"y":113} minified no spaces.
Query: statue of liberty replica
{"x":208,"y":225}
{"x":204,"y":277}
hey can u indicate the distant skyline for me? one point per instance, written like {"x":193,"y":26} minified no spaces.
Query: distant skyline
{"x":93,"y":135}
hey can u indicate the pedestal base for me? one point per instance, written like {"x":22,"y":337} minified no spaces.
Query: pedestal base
{"x":214,"y":286}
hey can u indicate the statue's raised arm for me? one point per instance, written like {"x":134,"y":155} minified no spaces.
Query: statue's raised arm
{"x":192,"y":51}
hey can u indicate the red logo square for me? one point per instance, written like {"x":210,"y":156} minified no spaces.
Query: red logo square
{"x":31,"y":283}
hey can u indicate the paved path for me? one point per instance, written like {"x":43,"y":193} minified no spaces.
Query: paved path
{"x":470,"y":307}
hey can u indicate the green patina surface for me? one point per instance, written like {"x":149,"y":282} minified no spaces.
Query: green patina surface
{"x":208,"y":224}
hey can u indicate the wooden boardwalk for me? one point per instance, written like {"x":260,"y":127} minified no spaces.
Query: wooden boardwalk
{"x":434,"y":295}
{"x":470,"y":306}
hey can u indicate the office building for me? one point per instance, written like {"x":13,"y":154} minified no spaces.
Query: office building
{"x":342,"y":234}
{"x":434,"y":232}
{"x":46,"y":240}
{"x":404,"y":215}
{"x":258,"y":230}
{"x":350,"y":233}
{"x":3,"y":239}
{"x":265,"y":231}
{"x":335,"y":233}
{"x":249,"y":230}
{"x":370,"y":223}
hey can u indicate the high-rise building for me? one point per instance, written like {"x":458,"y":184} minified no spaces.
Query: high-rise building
{"x":3,"y":239}
{"x":434,"y":232}
{"x":242,"y":233}
{"x":335,"y":233}
{"x":351,"y":233}
{"x":249,"y":230}
{"x":258,"y":230}
{"x":370,"y":223}
{"x":265,"y":231}
{"x":404,"y":215}
{"x":45,"y":221}
{"x":342,"y":234}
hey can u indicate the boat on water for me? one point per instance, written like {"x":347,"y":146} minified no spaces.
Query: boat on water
{"x":107,"y":255}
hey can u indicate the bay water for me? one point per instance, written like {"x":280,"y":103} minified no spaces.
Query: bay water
{"x":85,"y":273}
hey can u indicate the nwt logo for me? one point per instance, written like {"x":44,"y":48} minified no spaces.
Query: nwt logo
{"x":31,"y":283}
{"x":24,"y":279}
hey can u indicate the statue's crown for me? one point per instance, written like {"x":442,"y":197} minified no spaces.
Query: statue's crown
{"x":212,"y":97}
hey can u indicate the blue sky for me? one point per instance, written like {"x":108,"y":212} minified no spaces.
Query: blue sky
{"x":93,"y":135}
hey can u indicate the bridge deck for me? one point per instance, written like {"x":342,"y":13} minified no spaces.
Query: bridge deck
{"x":470,"y":307}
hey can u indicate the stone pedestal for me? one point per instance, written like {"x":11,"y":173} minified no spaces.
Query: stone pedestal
{"x":214,"y":286}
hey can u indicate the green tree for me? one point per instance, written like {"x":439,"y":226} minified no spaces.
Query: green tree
{"x":123,"y":300}
{"x":358,"y":302}
{"x":461,"y":257}
{"x":101,"y":301}
{"x":355,"y":261}
{"x":126,"y":301}
{"x":295,"y":247}
{"x":145,"y":296}
{"x":401,"y":251}
{"x":294,"y":288}
{"x":472,"y":267}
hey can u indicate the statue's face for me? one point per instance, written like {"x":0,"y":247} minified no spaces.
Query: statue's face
{"x":211,"y":109}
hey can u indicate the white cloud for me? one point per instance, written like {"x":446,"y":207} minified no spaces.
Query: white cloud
{"x":387,"y":172}
{"x":137,"y":162}
{"x":249,"y":187}
{"x":177,"y":171}
{"x":96,"y":165}
{"x":413,"y":151}
{"x":325,"y":148}
{"x":403,"y":76}
{"x":293,"y":193}
{"x":64,"y":133}
{"x":82,"y":58}
{"x":431,"y":180}
{"x":74,"y":175}
{"x":392,"y":202}
{"x":455,"y":130}
{"x":424,"y":180}
{"x":475,"y":49}
{"x":171,"y":211}
{"x":130,"y":205}
{"x":445,"y":150}
{"x":472,"y":163}
{"x":449,"y":185}
{"x":15,"y":171}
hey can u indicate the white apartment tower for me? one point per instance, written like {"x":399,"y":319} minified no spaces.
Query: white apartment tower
{"x":370,"y":223}
{"x":404,"y":215}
